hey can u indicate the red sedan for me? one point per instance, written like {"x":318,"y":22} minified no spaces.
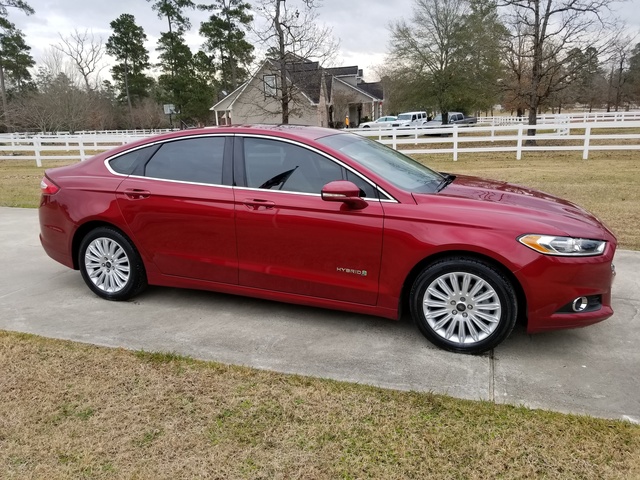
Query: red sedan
{"x":330,"y":219}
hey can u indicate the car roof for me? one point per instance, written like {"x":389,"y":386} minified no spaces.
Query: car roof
{"x":292,"y":132}
{"x":304,"y":131}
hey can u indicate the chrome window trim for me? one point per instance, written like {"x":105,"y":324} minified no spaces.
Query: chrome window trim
{"x":389,"y":198}
{"x":323,"y":154}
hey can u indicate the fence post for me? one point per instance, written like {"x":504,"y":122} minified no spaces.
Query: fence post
{"x":455,"y":143}
{"x":81,"y":148}
{"x":519,"y":147}
{"x":587,"y":134}
{"x":36,"y":147}
{"x":394,"y":145}
{"x":493,"y":133}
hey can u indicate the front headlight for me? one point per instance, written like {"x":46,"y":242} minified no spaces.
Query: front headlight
{"x":563,"y":246}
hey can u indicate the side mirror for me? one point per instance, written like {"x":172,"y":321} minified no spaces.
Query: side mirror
{"x":345,"y":192}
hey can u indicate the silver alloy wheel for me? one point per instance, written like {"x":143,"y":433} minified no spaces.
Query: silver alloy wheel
{"x":107,"y":265}
{"x":462,"y":308}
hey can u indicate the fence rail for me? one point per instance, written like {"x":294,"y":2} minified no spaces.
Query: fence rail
{"x":584,"y":117}
{"x":585,"y":137}
{"x":47,"y":147}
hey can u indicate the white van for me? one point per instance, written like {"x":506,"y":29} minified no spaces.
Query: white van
{"x":410,"y":119}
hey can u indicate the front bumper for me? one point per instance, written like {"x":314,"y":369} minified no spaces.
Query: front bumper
{"x":550,"y":283}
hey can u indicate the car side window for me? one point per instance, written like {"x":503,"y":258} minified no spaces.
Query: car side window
{"x":127,"y":162}
{"x":366,"y":189}
{"x":197,"y":160}
{"x":276,"y":165}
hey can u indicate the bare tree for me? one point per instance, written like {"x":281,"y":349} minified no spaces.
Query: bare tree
{"x":543,"y":35}
{"x":431,"y":45}
{"x":617,"y":67}
{"x":292,"y":37}
{"x":54,"y":63}
{"x":86,"y":52}
{"x":148,"y":114}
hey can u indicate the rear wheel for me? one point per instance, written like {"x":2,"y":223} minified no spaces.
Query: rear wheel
{"x":463,"y":305}
{"x":110,"y":265}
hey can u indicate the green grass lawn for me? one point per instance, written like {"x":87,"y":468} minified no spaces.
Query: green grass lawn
{"x":77,"y":411}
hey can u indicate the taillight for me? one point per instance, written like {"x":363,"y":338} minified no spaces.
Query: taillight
{"x":47,"y":187}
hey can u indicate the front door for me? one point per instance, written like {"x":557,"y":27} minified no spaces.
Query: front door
{"x":290,"y":240}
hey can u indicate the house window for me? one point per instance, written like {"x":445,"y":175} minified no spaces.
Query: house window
{"x":269,"y":85}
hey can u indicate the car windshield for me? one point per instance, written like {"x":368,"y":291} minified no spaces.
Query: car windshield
{"x":404,"y":116}
{"x":438,"y":118}
{"x":398,"y":169}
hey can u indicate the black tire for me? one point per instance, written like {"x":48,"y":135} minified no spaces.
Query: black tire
{"x":452,"y":310}
{"x":112,"y":268}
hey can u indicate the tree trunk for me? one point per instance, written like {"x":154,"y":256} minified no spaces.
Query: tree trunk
{"x":284,"y":89}
{"x":232,"y":63}
{"x":534,"y":99}
{"x":126,"y":87}
{"x":5,"y":107}
{"x":533,"y":120}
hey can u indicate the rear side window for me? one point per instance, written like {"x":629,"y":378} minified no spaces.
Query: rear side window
{"x":127,"y":162}
{"x":197,"y":160}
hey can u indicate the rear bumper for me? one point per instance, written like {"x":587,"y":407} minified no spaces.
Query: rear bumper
{"x":59,"y":256}
{"x":55,"y":231}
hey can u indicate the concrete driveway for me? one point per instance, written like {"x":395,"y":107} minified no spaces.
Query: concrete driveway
{"x":592,"y":370}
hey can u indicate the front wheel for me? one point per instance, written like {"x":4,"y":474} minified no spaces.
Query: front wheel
{"x":463,"y":305}
{"x":110,"y":265}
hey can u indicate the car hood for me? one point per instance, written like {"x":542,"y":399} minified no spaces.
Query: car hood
{"x":527,"y":206}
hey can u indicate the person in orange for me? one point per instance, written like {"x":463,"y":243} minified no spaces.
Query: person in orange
{"x":346,"y":121}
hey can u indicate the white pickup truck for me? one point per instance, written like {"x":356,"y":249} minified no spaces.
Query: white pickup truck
{"x":455,"y":118}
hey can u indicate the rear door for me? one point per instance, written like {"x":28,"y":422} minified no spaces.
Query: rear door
{"x":289,"y":239}
{"x":180,"y":207}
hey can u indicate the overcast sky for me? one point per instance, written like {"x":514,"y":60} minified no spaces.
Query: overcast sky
{"x":360,"y":25}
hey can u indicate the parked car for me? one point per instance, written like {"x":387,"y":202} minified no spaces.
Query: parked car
{"x":455,"y":118}
{"x":382,"y":122}
{"x":329,"y":219}
{"x":410,"y":119}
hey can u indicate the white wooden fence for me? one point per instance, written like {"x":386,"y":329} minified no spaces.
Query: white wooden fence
{"x":583,"y":117}
{"x":61,"y":146}
{"x":585,"y":137}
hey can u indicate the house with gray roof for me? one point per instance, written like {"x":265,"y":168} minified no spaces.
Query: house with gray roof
{"x":318,"y":96}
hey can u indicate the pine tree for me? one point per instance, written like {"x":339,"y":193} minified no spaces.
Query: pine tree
{"x":175,"y":55}
{"x":14,"y":52}
{"x":225,"y":42}
{"x":126,"y":44}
